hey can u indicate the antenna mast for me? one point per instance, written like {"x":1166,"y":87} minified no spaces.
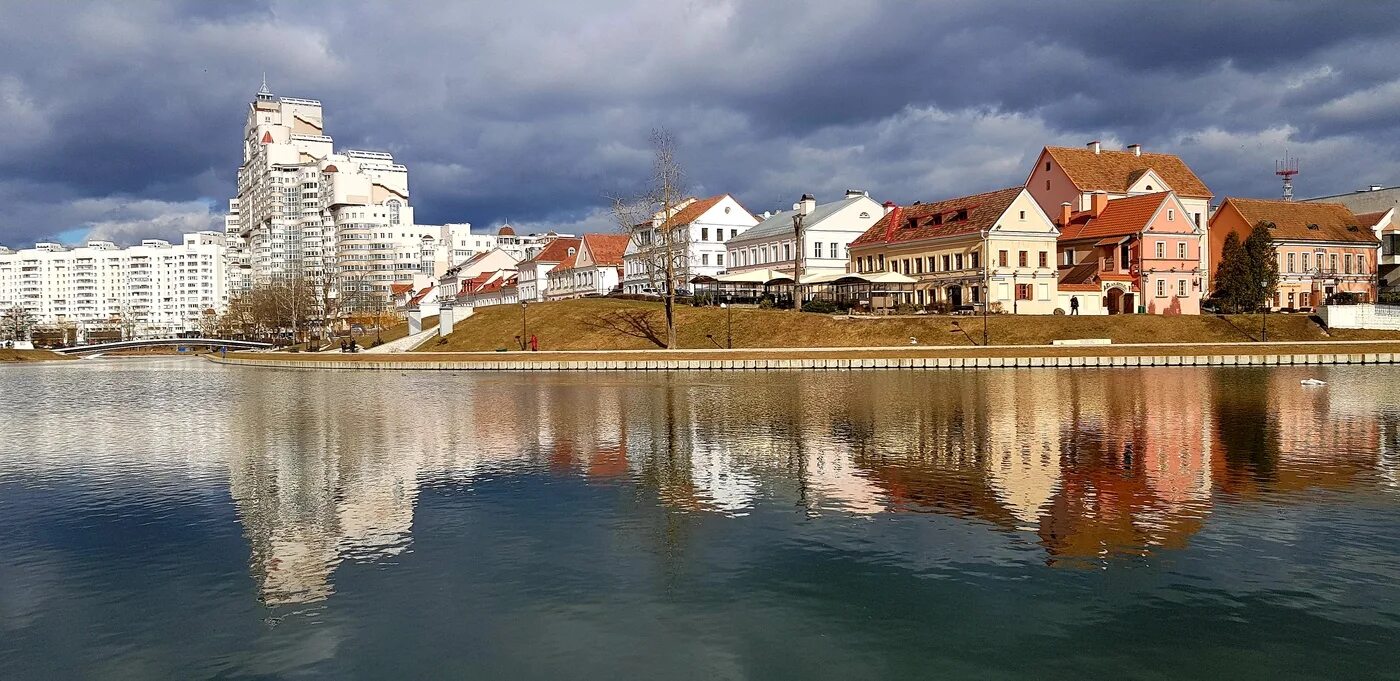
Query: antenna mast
{"x":1286,"y":169}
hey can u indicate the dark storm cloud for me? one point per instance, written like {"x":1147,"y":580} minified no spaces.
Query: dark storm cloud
{"x":124,"y":118}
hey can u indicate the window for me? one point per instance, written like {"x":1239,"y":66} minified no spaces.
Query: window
{"x":787,"y":251}
{"x":1347,"y":260}
{"x":976,"y":260}
{"x":1360,"y":264}
{"x":719,"y":259}
{"x":1023,"y":292}
{"x":1161,"y":288}
{"x":1304,"y":256}
{"x":1161,"y":249}
{"x":918,"y":265}
{"x":947,"y":263}
{"x":817,"y":249}
{"x":1197,"y":219}
{"x":932,"y":263}
{"x":958,"y":261}
{"x":733,"y":233}
{"x":1181,"y":288}
{"x":1023,"y":215}
{"x":1332,"y":263}
{"x":1181,"y":250}
{"x":1171,"y":214}
{"x":1022,"y":259}
{"x":1304,"y":299}
{"x":1291,"y":262}
{"x":394,"y":206}
{"x":1047,"y":165}
{"x":1044,"y":259}
{"x":1001,"y":258}
{"x":835,"y":252}
{"x":764,"y":252}
{"x":1047,"y":185}
{"x":882,"y":261}
{"x":1069,"y":257}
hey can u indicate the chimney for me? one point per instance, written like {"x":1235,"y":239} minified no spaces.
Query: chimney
{"x":894,"y":215}
{"x":807,"y":205}
{"x":1098,"y":202}
{"x":854,"y":193}
{"x":1064,"y":214}
{"x":1094,"y":146}
{"x":1136,"y":149}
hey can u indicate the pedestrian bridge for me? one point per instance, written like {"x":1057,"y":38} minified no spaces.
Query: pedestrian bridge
{"x":160,"y":342}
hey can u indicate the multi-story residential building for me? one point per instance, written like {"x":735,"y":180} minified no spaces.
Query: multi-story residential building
{"x":1073,"y":175}
{"x":696,"y":230}
{"x":827,"y":231}
{"x":595,"y":270}
{"x":997,"y":247}
{"x":1135,"y":254}
{"x":342,"y":219}
{"x":154,"y":289}
{"x":534,"y":280}
{"x":1323,"y":248}
{"x":1380,"y":207}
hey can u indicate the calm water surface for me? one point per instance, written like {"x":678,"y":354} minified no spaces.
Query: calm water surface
{"x":176,"y":519}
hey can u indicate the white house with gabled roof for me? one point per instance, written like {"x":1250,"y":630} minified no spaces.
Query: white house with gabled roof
{"x":700,"y":228}
{"x":828,"y":230}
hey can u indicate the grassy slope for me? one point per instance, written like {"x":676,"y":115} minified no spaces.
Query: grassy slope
{"x":30,"y":356}
{"x":572,"y":325}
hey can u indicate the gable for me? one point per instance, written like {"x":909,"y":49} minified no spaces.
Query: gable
{"x":1146,"y":181}
{"x":1035,"y":219}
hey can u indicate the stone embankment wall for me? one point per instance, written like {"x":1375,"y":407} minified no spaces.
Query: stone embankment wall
{"x":839,"y":364}
{"x":1361,"y":316}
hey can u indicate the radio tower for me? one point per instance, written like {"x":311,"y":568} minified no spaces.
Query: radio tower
{"x":1286,"y":169}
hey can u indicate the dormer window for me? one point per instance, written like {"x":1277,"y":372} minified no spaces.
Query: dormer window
{"x":962,"y":215}
{"x":1149,"y":187}
{"x":571,"y":251}
{"x":864,"y":215}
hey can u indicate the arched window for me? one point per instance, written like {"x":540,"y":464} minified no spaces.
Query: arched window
{"x":394,"y":205}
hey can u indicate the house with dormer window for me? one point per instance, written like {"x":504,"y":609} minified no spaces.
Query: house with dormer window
{"x":1073,"y":175}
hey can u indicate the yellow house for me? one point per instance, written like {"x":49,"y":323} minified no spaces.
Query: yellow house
{"x":997,"y":247}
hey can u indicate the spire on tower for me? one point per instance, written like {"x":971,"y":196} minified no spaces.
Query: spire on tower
{"x":263,"y":90}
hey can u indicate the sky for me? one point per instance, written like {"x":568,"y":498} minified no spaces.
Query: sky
{"x":123,"y":120}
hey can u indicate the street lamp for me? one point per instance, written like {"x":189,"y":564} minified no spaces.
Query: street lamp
{"x":524,"y":333}
{"x":728,"y":324}
{"x":986,"y":284}
{"x":1264,"y":332}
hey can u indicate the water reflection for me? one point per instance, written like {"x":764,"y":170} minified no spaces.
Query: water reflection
{"x":1092,"y":465}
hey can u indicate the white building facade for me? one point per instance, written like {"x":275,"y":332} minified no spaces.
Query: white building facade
{"x":155,"y":289}
{"x":699,"y":229}
{"x":828,"y":230}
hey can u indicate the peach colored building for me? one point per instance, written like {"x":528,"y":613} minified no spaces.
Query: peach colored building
{"x":1141,"y":253}
{"x":1322,"y":248}
{"x":1073,"y":175}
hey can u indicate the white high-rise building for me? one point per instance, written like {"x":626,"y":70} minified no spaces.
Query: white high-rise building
{"x":342,"y":219}
{"x":154,"y":289}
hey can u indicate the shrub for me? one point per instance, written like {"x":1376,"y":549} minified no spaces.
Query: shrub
{"x":1059,"y":312}
{"x":820,"y":306}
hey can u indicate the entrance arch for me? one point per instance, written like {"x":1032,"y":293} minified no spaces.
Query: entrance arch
{"x":1115,"y":301}
{"x":955,"y":296}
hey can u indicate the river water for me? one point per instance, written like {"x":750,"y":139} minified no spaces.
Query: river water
{"x":170,"y":518}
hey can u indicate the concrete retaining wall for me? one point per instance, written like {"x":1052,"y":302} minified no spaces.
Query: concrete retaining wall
{"x":833,"y":364}
{"x":1361,"y":316}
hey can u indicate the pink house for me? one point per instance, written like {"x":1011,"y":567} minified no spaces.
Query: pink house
{"x":1135,"y":254}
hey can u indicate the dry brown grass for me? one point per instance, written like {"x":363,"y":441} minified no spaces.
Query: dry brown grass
{"x":577,"y":325}
{"x":31,"y":356}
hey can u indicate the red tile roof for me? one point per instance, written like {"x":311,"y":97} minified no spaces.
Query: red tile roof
{"x":470,"y":286}
{"x":421,"y":295}
{"x":606,"y":249}
{"x":1122,"y":217}
{"x":556,"y":251}
{"x":949,"y":217}
{"x":399,"y":289}
{"x":1294,"y":220}
{"x":692,"y":211}
{"x":1369,"y":220}
{"x":1115,"y":171}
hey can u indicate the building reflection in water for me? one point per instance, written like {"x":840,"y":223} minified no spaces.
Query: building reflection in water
{"x":1091,"y":465}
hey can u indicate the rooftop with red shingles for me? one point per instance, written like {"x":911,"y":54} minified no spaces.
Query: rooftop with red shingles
{"x":941,"y":218}
{"x":1122,"y":217}
{"x":606,"y":249}
{"x":1115,"y":171}
{"x":1291,"y":220}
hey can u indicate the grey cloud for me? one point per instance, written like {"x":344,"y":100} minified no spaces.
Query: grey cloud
{"x":537,"y":110}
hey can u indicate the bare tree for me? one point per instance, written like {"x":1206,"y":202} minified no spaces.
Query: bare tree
{"x":17,"y":322}
{"x":661,"y":244}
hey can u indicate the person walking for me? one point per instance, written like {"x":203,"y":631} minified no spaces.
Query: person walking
{"x":534,"y":343}
{"x":1074,"y":305}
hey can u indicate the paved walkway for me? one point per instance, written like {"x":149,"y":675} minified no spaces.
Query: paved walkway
{"x":403,"y":344}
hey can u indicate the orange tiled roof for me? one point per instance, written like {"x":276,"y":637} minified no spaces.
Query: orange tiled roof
{"x":917,"y":222}
{"x":1291,"y":219}
{"x":556,"y":251}
{"x":399,"y":289}
{"x":421,"y":295}
{"x":1115,"y":171}
{"x":606,"y":249}
{"x":1122,"y":217}
{"x":1370,"y":220}
{"x":692,"y":211}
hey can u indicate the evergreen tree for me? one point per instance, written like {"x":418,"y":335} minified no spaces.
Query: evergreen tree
{"x":1263,"y":265}
{"x":1232,"y":276}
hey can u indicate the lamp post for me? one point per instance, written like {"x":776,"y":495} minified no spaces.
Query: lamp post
{"x":1264,"y":332}
{"x":524,"y":333}
{"x":986,"y":284}
{"x":728,"y":325}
